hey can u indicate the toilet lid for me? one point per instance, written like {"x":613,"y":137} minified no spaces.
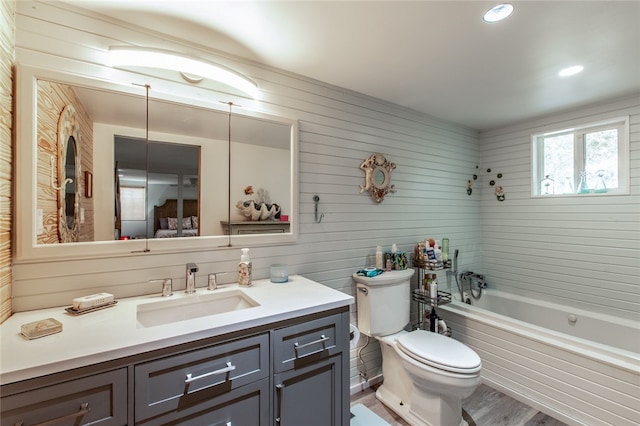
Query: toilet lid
{"x":439,"y":351}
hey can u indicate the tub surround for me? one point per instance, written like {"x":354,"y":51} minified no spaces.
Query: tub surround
{"x":570,"y":378}
{"x":114,"y":332}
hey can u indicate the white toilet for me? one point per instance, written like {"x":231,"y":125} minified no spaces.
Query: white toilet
{"x":425,"y":374}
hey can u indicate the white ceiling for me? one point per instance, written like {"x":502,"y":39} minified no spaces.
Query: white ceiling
{"x":437,"y":57}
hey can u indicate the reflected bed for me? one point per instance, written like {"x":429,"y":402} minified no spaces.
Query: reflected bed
{"x":165,"y":218}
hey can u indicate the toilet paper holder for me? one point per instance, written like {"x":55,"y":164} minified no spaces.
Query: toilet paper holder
{"x":354,"y":336}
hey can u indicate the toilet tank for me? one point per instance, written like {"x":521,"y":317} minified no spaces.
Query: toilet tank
{"x":383,"y":302}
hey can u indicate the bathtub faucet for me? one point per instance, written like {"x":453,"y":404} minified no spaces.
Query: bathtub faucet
{"x":472,"y":277}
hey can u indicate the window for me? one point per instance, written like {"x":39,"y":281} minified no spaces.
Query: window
{"x":588,"y":160}
{"x":132,"y":203}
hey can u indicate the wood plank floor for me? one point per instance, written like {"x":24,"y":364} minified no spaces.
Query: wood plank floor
{"x":485,"y":407}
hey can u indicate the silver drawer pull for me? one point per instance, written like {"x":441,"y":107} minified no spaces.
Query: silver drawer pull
{"x":228,"y":368}
{"x":322,"y":340}
{"x":279,"y":388}
{"x":84,"y":409}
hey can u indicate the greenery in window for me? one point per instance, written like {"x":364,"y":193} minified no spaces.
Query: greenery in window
{"x":588,"y":160}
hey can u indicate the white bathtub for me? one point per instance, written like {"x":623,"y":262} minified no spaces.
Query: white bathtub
{"x":580,"y":367}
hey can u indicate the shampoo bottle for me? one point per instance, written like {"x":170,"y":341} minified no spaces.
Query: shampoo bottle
{"x":379,"y":262}
{"x":433,"y":321}
{"x":437,"y":251}
{"x":244,"y":269}
{"x":433,"y":288}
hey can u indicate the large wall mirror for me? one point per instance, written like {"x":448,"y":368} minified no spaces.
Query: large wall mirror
{"x":164,"y":171}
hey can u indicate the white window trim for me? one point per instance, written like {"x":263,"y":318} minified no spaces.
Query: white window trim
{"x":623,"y":157}
{"x":143,"y":206}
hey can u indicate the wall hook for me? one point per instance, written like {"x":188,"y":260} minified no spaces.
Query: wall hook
{"x":53,"y":179}
{"x":316,"y":200}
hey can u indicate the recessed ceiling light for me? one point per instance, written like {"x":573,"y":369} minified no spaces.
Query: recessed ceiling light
{"x":569,"y":71}
{"x":498,"y":13}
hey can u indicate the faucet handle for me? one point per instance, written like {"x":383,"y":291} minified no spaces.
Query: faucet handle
{"x":192,"y":267}
{"x":167,"y":286}
{"x":167,"y":289}
{"x":213,"y":280}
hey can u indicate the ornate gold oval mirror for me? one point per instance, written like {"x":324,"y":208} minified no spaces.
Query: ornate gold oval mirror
{"x":377,"y":177}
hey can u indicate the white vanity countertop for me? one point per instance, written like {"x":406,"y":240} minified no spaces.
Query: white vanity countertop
{"x":114,"y":332}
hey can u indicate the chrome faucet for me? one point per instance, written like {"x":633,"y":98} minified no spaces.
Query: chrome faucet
{"x":192,"y":268}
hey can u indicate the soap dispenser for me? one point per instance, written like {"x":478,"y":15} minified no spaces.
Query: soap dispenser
{"x":244,"y":269}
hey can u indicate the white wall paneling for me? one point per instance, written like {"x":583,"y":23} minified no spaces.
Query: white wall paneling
{"x":579,"y":251}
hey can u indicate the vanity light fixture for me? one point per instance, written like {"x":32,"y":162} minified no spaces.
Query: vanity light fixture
{"x":569,"y":71}
{"x":186,"y":65}
{"x":498,"y":13}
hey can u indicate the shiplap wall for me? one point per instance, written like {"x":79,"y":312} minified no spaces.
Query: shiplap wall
{"x":579,"y":251}
{"x":7,"y":12}
{"x":338,"y":130}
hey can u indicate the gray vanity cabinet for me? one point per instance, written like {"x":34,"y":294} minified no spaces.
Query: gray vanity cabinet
{"x":289,"y":373}
{"x":310,"y":365}
{"x":217,"y":382}
{"x":100,"y":399}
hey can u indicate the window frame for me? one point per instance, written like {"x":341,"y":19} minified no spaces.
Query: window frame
{"x":578,"y":132}
{"x":133,"y":189}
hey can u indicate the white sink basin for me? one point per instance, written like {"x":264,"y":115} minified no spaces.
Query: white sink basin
{"x":192,"y":306}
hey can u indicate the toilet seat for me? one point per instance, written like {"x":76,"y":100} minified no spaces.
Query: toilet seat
{"x":439,"y":351}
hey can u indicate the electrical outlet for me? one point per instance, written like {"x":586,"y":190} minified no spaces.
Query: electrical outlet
{"x":39,"y":222}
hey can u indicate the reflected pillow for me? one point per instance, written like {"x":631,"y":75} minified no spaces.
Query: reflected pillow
{"x":186,"y":223}
{"x":164,"y":223}
{"x":173,"y":222}
{"x":194,"y":222}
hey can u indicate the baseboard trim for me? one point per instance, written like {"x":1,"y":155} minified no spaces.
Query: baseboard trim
{"x":365,"y":384}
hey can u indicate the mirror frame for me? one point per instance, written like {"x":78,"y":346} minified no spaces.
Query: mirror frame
{"x":371,"y":166}
{"x":125,"y":82}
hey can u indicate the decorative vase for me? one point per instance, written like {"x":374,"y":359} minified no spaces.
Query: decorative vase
{"x":257,"y":211}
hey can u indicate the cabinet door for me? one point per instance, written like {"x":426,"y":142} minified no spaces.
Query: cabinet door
{"x":311,"y":395}
{"x":183,"y":383}
{"x":246,"y":406}
{"x":97,"y":400}
{"x":308,"y":342}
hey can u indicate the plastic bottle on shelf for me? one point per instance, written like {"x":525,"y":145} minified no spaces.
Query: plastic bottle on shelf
{"x":426,"y":283}
{"x":437,"y":251}
{"x":433,"y":288}
{"x":445,"y":249}
{"x":433,"y":321}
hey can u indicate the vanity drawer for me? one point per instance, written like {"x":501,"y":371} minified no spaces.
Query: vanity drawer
{"x":245,"y":406}
{"x":98,"y":400}
{"x":188,"y":380}
{"x":307,"y":342}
